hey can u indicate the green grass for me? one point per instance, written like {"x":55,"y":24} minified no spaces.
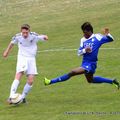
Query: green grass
{"x":61,"y":20}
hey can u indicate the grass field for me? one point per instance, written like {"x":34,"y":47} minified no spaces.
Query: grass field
{"x":61,"y":20}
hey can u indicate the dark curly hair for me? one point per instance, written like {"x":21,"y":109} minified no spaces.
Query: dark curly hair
{"x":87,"y":27}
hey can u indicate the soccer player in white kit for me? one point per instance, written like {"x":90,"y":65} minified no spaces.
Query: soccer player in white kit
{"x":26,"y":60}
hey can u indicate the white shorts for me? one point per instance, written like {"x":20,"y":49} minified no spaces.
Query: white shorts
{"x":26,"y":65}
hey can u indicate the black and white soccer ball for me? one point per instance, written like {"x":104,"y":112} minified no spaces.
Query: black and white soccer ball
{"x":16,"y":98}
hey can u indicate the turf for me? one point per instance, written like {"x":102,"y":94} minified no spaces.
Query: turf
{"x":61,"y":20}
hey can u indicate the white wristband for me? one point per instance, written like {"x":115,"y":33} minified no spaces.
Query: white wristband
{"x":84,"y":51}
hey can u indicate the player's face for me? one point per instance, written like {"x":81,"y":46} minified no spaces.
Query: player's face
{"x":25,"y":33}
{"x":87,"y":34}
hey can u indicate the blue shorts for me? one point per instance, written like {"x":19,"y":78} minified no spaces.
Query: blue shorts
{"x":90,"y":67}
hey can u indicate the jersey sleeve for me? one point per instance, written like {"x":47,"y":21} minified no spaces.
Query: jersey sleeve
{"x":41,"y":38}
{"x":38,"y":37}
{"x":107,"y":38}
{"x":104,"y":38}
{"x":14,"y":40}
{"x":81,"y":49}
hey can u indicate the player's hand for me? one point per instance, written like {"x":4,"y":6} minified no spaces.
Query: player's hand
{"x":5,"y":54}
{"x":88,"y":49}
{"x":45,"y":37}
{"x":106,"y":31}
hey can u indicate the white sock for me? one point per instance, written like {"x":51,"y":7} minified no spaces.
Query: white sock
{"x":14,"y":87}
{"x":26,"y":90}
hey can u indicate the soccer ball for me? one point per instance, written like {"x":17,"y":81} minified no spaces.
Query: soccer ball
{"x":16,"y":98}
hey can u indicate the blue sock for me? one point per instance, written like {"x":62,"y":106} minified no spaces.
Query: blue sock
{"x":98,"y":79}
{"x":60,"y":79}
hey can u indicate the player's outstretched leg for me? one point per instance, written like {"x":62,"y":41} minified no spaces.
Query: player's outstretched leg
{"x":76,"y":71}
{"x":98,"y":79}
{"x":58,"y":79}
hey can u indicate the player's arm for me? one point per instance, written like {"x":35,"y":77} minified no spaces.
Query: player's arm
{"x":83,"y":50}
{"x":7,"y":51}
{"x":10,"y":46}
{"x":42,"y":37}
{"x":39,"y":37}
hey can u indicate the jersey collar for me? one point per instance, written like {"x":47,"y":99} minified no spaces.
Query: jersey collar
{"x":89,"y":37}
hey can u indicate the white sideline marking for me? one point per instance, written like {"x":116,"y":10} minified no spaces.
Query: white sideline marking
{"x":64,"y":49}
{"x":57,"y":50}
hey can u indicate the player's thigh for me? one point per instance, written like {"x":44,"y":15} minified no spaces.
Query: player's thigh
{"x":77,"y":71}
{"x":89,"y":77}
{"x":30,"y":79}
{"x":32,"y":68}
{"x":22,"y":64}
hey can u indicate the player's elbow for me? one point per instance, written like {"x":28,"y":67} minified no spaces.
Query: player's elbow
{"x":45,"y":37}
{"x":89,"y":81}
{"x":80,"y":53}
{"x":110,"y":37}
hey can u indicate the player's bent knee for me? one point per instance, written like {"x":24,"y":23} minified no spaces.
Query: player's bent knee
{"x":72,"y":73}
{"x":89,"y":81}
{"x":30,"y":82}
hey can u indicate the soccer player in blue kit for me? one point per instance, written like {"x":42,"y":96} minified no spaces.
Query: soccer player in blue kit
{"x":89,"y":48}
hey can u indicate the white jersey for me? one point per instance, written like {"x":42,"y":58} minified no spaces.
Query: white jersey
{"x":27,"y":47}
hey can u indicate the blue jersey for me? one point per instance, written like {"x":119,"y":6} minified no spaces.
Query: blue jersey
{"x":94,"y":42}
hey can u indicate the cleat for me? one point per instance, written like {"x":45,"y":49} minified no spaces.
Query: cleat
{"x":47,"y":81}
{"x":116,"y":83}
{"x":24,"y":100}
{"x":9,"y":101}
